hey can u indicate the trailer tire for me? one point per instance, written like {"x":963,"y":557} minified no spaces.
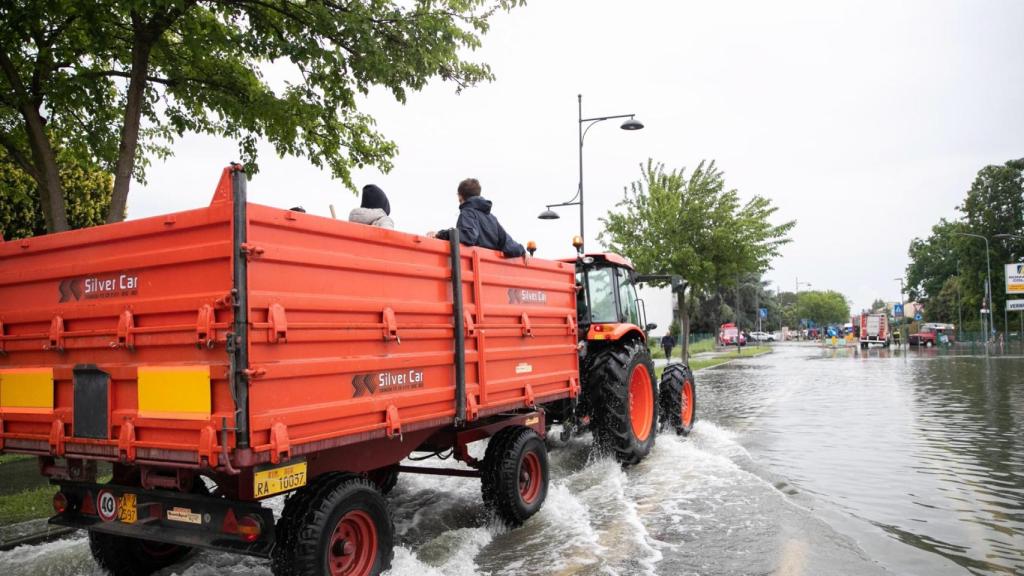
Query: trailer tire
{"x":678,"y":398}
{"x":340,"y":525}
{"x":626,"y":413}
{"x":125,"y":556}
{"x":514,"y":475}
{"x":385,"y":478}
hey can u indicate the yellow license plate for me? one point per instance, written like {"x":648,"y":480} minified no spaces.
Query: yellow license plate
{"x":281,"y":479}
{"x":127,"y":510}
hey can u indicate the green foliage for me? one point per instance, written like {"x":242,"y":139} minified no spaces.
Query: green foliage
{"x":96,"y":68}
{"x":993,"y":205}
{"x":693,"y":226}
{"x":823,"y":307}
{"x":879,"y":305}
{"x":86,"y":194}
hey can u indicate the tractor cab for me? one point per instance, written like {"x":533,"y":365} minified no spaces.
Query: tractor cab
{"x":606,"y":301}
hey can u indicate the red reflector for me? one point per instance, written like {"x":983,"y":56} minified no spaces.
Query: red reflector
{"x":60,"y":502}
{"x":250,"y":527}
{"x":230,"y":524}
{"x":87,"y":505}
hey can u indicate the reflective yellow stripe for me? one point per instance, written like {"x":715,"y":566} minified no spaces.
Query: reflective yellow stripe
{"x":26,"y":388}
{"x":175,"y":392}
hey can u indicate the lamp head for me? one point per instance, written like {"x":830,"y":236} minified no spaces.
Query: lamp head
{"x":548,"y":214}
{"x":632,"y":124}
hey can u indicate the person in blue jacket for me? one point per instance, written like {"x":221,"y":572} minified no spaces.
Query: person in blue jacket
{"x":477,"y":226}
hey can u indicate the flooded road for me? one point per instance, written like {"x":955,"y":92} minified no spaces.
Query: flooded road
{"x":805,"y":462}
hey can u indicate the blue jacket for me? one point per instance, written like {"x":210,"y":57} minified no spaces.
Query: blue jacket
{"x":478,"y":227}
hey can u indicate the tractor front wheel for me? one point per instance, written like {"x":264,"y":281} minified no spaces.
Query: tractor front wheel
{"x":678,"y":398}
{"x":626,"y":411}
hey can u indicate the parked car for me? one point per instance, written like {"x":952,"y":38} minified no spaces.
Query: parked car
{"x":762,"y":337}
{"x":932,"y":334}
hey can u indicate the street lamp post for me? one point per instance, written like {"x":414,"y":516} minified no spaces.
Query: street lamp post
{"x":988,"y":280}
{"x":630,"y":123}
{"x":903,"y":319}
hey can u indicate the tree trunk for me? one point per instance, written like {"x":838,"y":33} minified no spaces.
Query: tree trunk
{"x":684,"y":326}
{"x":51,"y":192}
{"x":132,"y":121}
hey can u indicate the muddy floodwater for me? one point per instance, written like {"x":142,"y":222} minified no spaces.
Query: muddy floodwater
{"x":805,"y":461}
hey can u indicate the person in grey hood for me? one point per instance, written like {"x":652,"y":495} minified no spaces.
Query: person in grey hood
{"x":375,"y":209}
{"x":477,"y":226}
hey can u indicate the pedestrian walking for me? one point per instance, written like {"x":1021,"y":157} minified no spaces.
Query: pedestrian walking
{"x":668,"y":343}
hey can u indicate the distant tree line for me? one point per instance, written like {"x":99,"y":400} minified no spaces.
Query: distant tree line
{"x":947,"y":269}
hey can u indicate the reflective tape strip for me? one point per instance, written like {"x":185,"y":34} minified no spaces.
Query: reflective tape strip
{"x":26,"y":389}
{"x":174,"y":392}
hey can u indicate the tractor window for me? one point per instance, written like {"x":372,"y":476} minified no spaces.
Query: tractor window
{"x":601,"y":286}
{"x":627,"y":298}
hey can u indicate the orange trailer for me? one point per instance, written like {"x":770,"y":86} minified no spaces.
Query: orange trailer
{"x":220,"y":356}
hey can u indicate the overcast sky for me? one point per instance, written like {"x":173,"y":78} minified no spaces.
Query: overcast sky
{"x":864,"y":121}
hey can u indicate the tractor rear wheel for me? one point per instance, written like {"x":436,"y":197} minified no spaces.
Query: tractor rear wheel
{"x":339,"y":526}
{"x":626,"y":410}
{"x":514,"y":476}
{"x":678,"y":398}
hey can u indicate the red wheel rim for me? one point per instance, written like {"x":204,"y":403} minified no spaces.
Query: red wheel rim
{"x":687,"y":407}
{"x":641,"y":402}
{"x":529,"y":477}
{"x":353,"y":546}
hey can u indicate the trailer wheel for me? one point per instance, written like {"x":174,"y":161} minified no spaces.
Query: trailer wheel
{"x":339,"y":527}
{"x":514,"y":476}
{"x":626,"y":413}
{"x":385,"y":478}
{"x":678,"y":398}
{"x":124,"y":556}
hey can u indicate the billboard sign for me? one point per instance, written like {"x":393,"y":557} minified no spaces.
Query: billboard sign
{"x":1015,"y":305}
{"x":1015,"y":278}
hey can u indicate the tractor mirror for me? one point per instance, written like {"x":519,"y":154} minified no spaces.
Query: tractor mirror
{"x":650,"y":326}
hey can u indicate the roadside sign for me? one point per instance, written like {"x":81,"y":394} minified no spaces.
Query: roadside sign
{"x":917,"y":316}
{"x":897,"y":310}
{"x":764,"y":312}
{"x":1015,"y":305}
{"x":1015,"y":278}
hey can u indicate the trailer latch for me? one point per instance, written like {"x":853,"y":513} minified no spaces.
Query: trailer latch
{"x":390,"y":326}
{"x":279,"y":443}
{"x":3,"y":352}
{"x":278,"y":324}
{"x":527,"y":327}
{"x":470,"y":326}
{"x":250,"y":251}
{"x":204,"y":327}
{"x":125,"y":336}
{"x":394,"y":423}
{"x":56,"y":341}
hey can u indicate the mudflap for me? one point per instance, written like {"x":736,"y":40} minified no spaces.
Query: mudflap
{"x":170,"y":517}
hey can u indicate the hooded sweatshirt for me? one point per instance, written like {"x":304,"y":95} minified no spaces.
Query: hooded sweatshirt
{"x":372,"y":216}
{"x":478,"y":227}
{"x":375,"y":209}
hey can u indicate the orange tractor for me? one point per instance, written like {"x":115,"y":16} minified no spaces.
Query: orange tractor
{"x":620,"y":400}
{"x":221,"y":356}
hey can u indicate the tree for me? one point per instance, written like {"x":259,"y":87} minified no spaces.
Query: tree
{"x":668,"y":222}
{"x":87,"y":193}
{"x":879,"y":305}
{"x":823,"y":307}
{"x":114,"y":82}
{"x":993,"y":205}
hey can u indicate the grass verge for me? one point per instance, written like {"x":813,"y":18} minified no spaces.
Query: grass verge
{"x":31,"y":504}
{"x":7,"y":458}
